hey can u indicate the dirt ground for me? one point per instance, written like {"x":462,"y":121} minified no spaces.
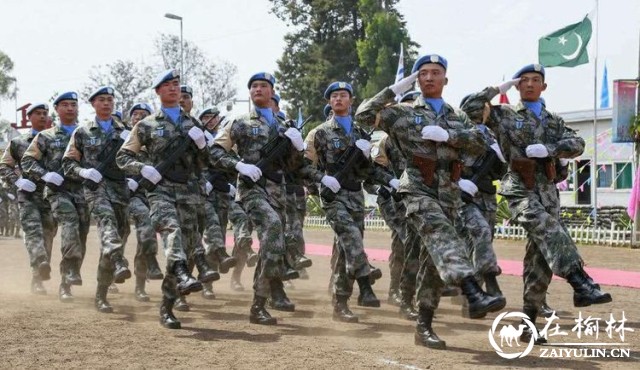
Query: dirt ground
{"x":41,"y":332}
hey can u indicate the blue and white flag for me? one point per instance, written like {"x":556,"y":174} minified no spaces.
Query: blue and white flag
{"x":300,"y":120}
{"x":400,"y":72}
{"x":604,"y":94}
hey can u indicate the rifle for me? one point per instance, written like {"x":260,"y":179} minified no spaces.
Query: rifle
{"x":487,"y":165}
{"x":351,"y":156}
{"x":107,"y":161}
{"x":178,"y":147}
{"x":273,"y":150}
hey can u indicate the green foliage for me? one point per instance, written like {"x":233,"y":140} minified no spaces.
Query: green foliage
{"x":503,"y":212}
{"x":314,"y":207}
{"x":6,"y":80}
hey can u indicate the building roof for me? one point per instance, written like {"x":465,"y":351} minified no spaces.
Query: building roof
{"x":586,"y":115}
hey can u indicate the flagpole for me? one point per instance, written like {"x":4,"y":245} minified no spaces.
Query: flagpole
{"x":636,"y":149}
{"x":594,"y":164}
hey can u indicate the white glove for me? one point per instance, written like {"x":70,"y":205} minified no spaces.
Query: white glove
{"x":537,"y":151}
{"x":209,"y":138}
{"x":151,"y":174}
{"x":496,"y":148}
{"x":53,"y":178}
{"x":505,"y":86}
{"x":11,"y":196}
{"x":394,"y":183}
{"x":468,"y":187}
{"x":405,"y":84}
{"x":365,"y":146}
{"x":91,"y":174}
{"x":232,"y":190}
{"x":208,"y":188}
{"x":296,"y":138}
{"x":132,"y":184}
{"x":249,"y":170}
{"x":124,"y":135}
{"x":198,"y":137}
{"x":564,"y":162}
{"x":25,"y":185}
{"x":331,"y":183}
{"x":435,"y":133}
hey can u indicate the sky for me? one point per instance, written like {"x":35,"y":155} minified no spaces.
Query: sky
{"x":54,"y":44}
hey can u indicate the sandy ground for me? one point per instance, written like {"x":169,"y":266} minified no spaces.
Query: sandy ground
{"x":41,"y":332}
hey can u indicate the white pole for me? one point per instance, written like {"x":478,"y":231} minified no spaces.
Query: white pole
{"x":594,"y":163}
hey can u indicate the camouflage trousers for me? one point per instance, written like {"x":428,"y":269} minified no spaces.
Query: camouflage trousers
{"x":214,"y":238}
{"x":478,"y":233}
{"x":411,"y":267}
{"x":296,"y":208}
{"x":536,"y":276}
{"x":14,"y":217}
{"x":443,"y":253}
{"x":4,"y":216}
{"x":112,"y":223}
{"x":39,"y":227}
{"x":387,"y":209}
{"x":242,"y":240}
{"x":73,"y":219}
{"x":147,"y":243}
{"x":268,"y":221}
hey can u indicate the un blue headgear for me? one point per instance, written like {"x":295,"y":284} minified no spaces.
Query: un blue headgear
{"x":210,"y":110}
{"x":164,"y":76}
{"x":326,"y":110}
{"x":186,"y":89}
{"x":35,"y":106}
{"x":118,"y":114}
{"x":276,"y":98}
{"x":69,"y":95}
{"x":536,"y":68}
{"x":262,"y":76}
{"x":281,"y":115}
{"x":102,"y":90}
{"x":142,"y":106}
{"x":430,"y":58}
{"x":411,"y":95}
{"x":336,"y":86}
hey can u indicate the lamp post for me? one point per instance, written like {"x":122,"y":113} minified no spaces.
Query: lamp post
{"x":179,"y":18}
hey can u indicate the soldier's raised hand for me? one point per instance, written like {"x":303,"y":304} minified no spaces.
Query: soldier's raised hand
{"x":435,"y":133}
{"x":537,"y":151}
{"x":25,"y":185}
{"x":405,"y":84}
{"x":505,"y":86}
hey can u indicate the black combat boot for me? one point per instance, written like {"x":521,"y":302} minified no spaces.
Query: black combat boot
{"x":525,"y":337}
{"x":207,"y":291}
{"x":545,"y":310}
{"x":407,"y":311}
{"x":64,"y":293}
{"x":185,"y":282}
{"x":72,"y":272}
{"x":252,"y":257}
{"x":140,"y":294}
{"x":279,"y":300}
{"x":289,"y":272}
{"x":585,"y":292}
{"x":450,"y":291}
{"x":302,"y":262}
{"x":167,"y":319}
{"x":366,"y":298}
{"x":341,"y":311}
{"x":101,"y":303}
{"x":44,"y":269}
{"x":425,"y":336}
{"x":258,"y":314}
{"x":181,"y":304}
{"x":120,"y":268}
{"x":374,"y":274}
{"x":154,"y":272}
{"x":480,"y":303}
{"x":225,"y":261}
{"x":493,"y":289}
{"x":394,"y":297}
{"x":36,"y":286}
{"x":205,"y":273}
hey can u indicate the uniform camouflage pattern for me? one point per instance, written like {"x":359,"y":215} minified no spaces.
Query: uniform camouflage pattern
{"x":242,"y":230}
{"x":147,"y":243}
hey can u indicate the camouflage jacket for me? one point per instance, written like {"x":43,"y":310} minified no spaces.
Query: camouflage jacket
{"x":11,"y":162}
{"x":44,"y":154}
{"x":518,"y":128}
{"x":404,"y":126}
{"x":388,"y":161}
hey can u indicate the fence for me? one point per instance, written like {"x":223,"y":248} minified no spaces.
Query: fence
{"x":580,"y":234}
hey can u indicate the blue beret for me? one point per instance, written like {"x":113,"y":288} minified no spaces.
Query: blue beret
{"x":35,"y":106}
{"x":430,"y":58}
{"x":102,"y":90}
{"x":411,"y":95}
{"x":336,"y":86}
{"x":281,"y":115}
{"x":141,"y":106}
{"x":276,"y":98}
{"x":210,"y":110}
{"x":262,"y":76}
{"x":118,"y":114}
{"x":69,"y":95}
{"x":326,"y":110}
{"x":536,"y":68}
{"x":186,"y":89}
{"x":164,"y":76}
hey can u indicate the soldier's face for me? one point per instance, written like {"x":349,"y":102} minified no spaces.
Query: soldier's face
{"x":67,"y":111}
{"x":432,"y":79}
{"x":531,"y":86}
{"x":340,"y":102}
{"x":169,"y":92}
{"x":103,"y":105}
{"x":210,"y":121}
{"x":137,"y":116}
{"x":261,"y":93}
{"x":38,"y":119}
{"x":186,"y":102}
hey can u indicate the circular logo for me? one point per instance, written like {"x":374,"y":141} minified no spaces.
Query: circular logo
{"x":510,"y":336}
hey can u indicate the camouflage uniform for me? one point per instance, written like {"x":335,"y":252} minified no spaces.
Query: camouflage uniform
{"x":431,"y":210}
{"x":296,"y":210}
{"x":68,"y":202}
{"x":108,"y":203}
{"x":35,"y":212}
{"x":147,"y":242}
{"x":242,"y":241}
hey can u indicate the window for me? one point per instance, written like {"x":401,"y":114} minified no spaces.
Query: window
{"x":624,"y":175}
{"x":605,"y":175}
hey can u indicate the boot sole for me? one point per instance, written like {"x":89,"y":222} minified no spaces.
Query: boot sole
{"x":77,"y":282}
{"x":105,"y":310}
{"x":353,"y":320}
{"x":209,"y":278}
{"x":441,"y":345}
{"x":182,"y":308}
{"x":271,"y":321}
{"x":122,"y":276}
{"x":291,"y":276}
{"x":496,"y":306}
{"x":143,"y":299}
{"x":369,"y":304}
{"x":195,"y":287}
{"x":284,"y":309}
{"x":225,"y":267}
{"x":175,"y":325}
{"x":588,"y":302}
{"x":304,"y":265}
{"x":155,"y":277}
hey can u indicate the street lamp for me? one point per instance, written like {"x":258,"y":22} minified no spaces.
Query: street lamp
{"x":179,"y":18}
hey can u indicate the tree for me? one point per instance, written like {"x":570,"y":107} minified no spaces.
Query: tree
{"x":6,"y":80}
{"x":130,"y":81}
{"x":212,"y":82}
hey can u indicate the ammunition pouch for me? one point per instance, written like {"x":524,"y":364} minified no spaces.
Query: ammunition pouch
{"x":526,"y":169}
{"x":113,"y":173}
{"x":273,"y":176}
{"x":456,"y":168}
{"x":177,"y":173}
{"x":549,"y":165}
{"x":427,"y":167}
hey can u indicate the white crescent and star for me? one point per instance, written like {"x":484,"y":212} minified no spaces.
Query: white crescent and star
{"x":574,"y":55}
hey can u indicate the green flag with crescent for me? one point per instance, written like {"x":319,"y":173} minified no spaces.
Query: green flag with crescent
{"x":566,"y":47}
